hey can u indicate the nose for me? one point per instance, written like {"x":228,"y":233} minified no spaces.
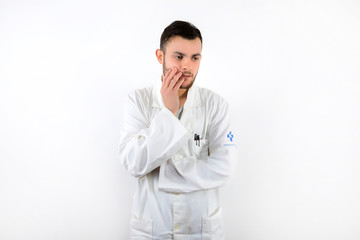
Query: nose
{"x":186,"y":66}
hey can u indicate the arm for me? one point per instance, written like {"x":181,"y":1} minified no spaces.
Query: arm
{"x":187,"y":174}
{"x":144,"y":148}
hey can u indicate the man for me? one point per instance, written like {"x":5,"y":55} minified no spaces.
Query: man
{"x":175,"y":140}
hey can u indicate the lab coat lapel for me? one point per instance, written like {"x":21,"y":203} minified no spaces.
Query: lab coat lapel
{"x":193,"y":100}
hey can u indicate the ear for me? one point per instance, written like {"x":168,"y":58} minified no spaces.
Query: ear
{"x":159,"y":55}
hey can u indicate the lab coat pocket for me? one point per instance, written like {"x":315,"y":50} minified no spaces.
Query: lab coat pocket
{"x":201,"y":148}
{"x":212,"y":227}
{"x":141,"y":228}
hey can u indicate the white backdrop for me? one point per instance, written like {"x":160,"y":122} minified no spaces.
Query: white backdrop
{"x":289,"y":69}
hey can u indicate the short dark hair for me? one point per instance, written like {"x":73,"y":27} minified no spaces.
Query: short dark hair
{"x":179,"y":28}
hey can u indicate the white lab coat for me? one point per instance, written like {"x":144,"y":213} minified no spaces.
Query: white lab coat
{"x":177,"y":195}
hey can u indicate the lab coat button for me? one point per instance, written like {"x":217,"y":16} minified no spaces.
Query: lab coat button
{"x":176,"y":227}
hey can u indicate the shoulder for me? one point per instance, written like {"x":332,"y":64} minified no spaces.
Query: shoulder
{"x":140,"y":95}
{"x":141,"y":92}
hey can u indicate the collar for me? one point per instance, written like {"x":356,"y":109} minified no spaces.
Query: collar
{"x":193,"y":97}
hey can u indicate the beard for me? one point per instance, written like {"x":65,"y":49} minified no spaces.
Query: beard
{"x":189,"y":81}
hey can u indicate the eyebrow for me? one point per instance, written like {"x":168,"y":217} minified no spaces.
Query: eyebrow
{"x":182,"y":54}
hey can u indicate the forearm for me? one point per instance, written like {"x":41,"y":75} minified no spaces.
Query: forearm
{"x":144,"y":150}
{"x":187,"y":174}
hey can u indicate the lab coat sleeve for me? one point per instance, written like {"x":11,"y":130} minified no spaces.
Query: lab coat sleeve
{"x":145,"y":145}
{"x":186,"y":173}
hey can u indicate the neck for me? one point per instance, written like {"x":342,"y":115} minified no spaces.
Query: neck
{"x":182,"y":96}
{"x":183,"y":93}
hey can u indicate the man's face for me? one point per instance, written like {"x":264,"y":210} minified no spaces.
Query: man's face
{"x":185,"y":55}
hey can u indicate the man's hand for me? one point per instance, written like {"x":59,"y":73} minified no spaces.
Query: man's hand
{"x":169,"y":89}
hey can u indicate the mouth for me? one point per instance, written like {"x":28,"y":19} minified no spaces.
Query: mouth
{"x":186,"y":75}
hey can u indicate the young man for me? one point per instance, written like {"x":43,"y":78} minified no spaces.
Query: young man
{"x":175,"y":140}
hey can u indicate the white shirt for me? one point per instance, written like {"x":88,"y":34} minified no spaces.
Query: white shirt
{"x":178,"y":178}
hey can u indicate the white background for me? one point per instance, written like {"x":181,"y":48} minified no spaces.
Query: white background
{"x":289,"y":69}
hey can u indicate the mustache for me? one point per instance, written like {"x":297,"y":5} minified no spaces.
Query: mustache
{"x":186,"y":73}
{"x":183,"y":72}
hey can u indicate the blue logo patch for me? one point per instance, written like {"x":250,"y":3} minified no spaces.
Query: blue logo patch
{"x":230,"y":136}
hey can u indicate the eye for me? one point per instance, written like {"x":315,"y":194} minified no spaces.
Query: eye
{"x":179,"y":57}
{"x":196,"y":58}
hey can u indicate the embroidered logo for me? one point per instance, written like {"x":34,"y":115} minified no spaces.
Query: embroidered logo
{"x":230,"y":136}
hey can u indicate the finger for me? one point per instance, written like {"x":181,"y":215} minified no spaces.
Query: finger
{"x":170,"y":77}
{"x":175,"y":80}
{"x":178,"y":84}
{"x":165,"y":78}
